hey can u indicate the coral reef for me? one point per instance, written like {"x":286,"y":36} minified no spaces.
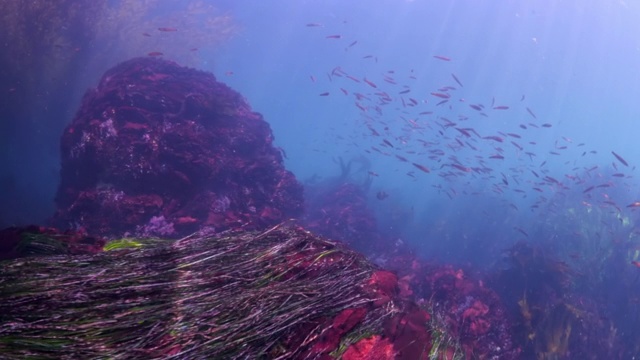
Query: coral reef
{"x":162,"y":150}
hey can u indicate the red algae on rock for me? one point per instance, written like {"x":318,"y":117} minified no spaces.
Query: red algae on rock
{"x":162,"y":150}
{"x":373,"y":348}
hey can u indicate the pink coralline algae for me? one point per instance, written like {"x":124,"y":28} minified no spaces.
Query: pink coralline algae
{"x":162,"y":150}
{"x":156,"y":227}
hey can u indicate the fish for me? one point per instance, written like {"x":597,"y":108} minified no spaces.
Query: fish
{"x":636,"y":263}
{"x":531,"y":113}
{"x":634,"y":204}
{"x":388,"y":143}
{"x":500,"y":107}
{"x":460,"y":167}
{"x":421,"y":167}
{"x":441,"y":95}
{"x":155,"y":53}
{"x":623,"y":161}
{"x":337,"y":71}
{"x":313,"y":25}
{"x":333,"y":36}
{"x":443,"y":58}
{"x":521,"y":231}
{"x":456,"y":79}
{"x":324,"y":94}
{"x":360,"y":96}
{"x":546,"y":125}
{"x":167,"y":29}
{"x":494,"y":138}
{"x":463,"y":132}
{"x":353,"y":78}
{"x":475,"y":107}
{"x":370,"y":83}
{"x":404,"y":91}
{"x":551,"y":179}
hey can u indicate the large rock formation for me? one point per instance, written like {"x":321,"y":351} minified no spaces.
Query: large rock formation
{"x":162,"y":150}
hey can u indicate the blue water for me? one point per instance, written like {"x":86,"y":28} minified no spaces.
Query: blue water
{"x":574,"y":65}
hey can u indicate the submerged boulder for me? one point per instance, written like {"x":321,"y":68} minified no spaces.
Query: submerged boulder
{"x":162,"y":150}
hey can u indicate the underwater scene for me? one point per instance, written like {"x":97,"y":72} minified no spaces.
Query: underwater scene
{"x":320,"y":179}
